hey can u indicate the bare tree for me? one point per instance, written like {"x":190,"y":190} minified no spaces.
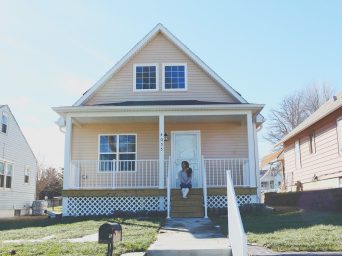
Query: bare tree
{"x":294,"y":109}
{"x":49,"y":183}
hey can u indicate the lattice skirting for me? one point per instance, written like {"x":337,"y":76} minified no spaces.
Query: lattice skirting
{"x":220,"y":201}
{"x":87,"y":206}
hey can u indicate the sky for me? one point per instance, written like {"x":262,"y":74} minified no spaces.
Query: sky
{"x":53,"y":51}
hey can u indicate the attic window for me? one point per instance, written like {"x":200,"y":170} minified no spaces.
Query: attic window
{"x":4,"y":122}
{"x":145,"y":77}
{"x":175,"y":77}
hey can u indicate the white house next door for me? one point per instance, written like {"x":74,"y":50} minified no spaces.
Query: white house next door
{"x":186,"y":146}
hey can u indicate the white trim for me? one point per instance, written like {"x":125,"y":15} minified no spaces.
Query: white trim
{"x":233,"y":109}
{"x":185,"y":76}
{"x":158,"y":28}
{"x":339,"y":135}
{"x":251,"y":150}
{"x":67,"y":153}
{"x":298,"y":155}
{"x":134,"y":76}
{"x":161,"y":146}
{"x":117,"y":148}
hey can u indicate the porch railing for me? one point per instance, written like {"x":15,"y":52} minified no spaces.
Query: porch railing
{"x":216,"y":171}
{"x":92,"y":174}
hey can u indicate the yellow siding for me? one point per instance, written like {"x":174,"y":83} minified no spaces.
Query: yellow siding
{"x":220,"y":139}
{"x":160,"y":50}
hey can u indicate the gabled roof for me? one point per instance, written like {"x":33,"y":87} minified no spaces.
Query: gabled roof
{"x":326,"y":109}
{"x":158,"y":28}
{"x":19,"y":128}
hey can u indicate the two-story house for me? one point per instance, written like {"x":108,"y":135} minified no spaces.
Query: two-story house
{"x":18,"y":168}
{"x":126,"y":137}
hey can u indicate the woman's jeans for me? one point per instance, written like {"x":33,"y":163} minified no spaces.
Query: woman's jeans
{"x":185,"y":189}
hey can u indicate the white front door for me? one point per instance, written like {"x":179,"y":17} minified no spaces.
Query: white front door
{"x":186,"y":146}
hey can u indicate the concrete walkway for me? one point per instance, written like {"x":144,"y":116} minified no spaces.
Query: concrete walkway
{"x":190,"y":237}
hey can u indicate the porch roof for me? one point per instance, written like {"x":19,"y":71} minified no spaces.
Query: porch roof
{"x":163,"y":103}
{"x":156,"y":109}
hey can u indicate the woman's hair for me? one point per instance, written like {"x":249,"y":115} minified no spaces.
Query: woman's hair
{"x":188,"y":169}
{"x":189,"y":172}
{"x":186,"y":163}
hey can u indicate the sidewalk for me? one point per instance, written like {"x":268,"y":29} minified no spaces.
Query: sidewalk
{"x":190,"y":236}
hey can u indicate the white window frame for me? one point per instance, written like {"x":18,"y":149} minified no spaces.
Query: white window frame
{"x":6,"y":163}
{"x":117,"y":153}
{"x":312,"y":143}
{"x":185,"y":76}
{"x":298,"y":160}
{"x":6,"y":115}
{"x":27,"y":170}
{"x":135,"y":77}
{"x":339,"y":134}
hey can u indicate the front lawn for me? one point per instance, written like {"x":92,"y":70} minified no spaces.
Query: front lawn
{"x":138,"y":234}
{"x":294,"y":230}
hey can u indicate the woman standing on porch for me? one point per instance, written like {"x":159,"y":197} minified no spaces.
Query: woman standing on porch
{"x":184,"y":176}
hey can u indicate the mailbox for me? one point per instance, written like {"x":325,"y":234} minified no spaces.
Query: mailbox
{"x":110,"y":232}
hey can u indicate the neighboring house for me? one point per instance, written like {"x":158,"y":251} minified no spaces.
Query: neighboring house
{"x":271,"y":173}
{"x":313,"y":150}
{"x":18,"y":168}
{"x":128,"y":134}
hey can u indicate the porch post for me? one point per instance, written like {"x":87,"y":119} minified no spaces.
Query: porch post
{"x":161,"y":150}
{"x":251,"y":150}
{"x":67,"y":153}
{"x":257,"y":171}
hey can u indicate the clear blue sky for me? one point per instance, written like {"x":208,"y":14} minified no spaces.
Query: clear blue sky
{"x":52,"y":51}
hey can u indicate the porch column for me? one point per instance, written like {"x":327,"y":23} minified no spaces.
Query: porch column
{"x":257,"y":171}
{"x":251,"y":149}
{"x":67,"y":153}
{"x":161,"y":151}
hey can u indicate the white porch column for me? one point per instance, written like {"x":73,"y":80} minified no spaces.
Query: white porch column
{"x":161,"y":150}
{"x":257,"y":171}
{"x":67,"y":153}
{"x":251,"y":150}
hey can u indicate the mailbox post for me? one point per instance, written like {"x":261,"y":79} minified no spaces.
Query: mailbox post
{"x":108,"y":234}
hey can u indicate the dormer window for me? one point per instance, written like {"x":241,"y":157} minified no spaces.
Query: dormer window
{"x":175,"y":77}
{"x":145,"y":77}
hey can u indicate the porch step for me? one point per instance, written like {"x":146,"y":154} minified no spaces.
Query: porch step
{"x":193,"y":191}
{"x":187,"y":208}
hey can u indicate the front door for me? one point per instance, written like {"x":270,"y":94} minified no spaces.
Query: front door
{"x":186,"y":146}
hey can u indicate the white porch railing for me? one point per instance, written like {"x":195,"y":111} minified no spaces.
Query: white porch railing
{"x":92,"y":174}
{"x":216,"y":171}
{"x":237,"y":236}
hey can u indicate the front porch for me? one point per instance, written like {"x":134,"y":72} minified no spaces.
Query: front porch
{"x":142,"y":150}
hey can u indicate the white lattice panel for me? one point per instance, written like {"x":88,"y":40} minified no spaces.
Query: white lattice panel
{"x":220,"y":201}
{"x":83,"y":206}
